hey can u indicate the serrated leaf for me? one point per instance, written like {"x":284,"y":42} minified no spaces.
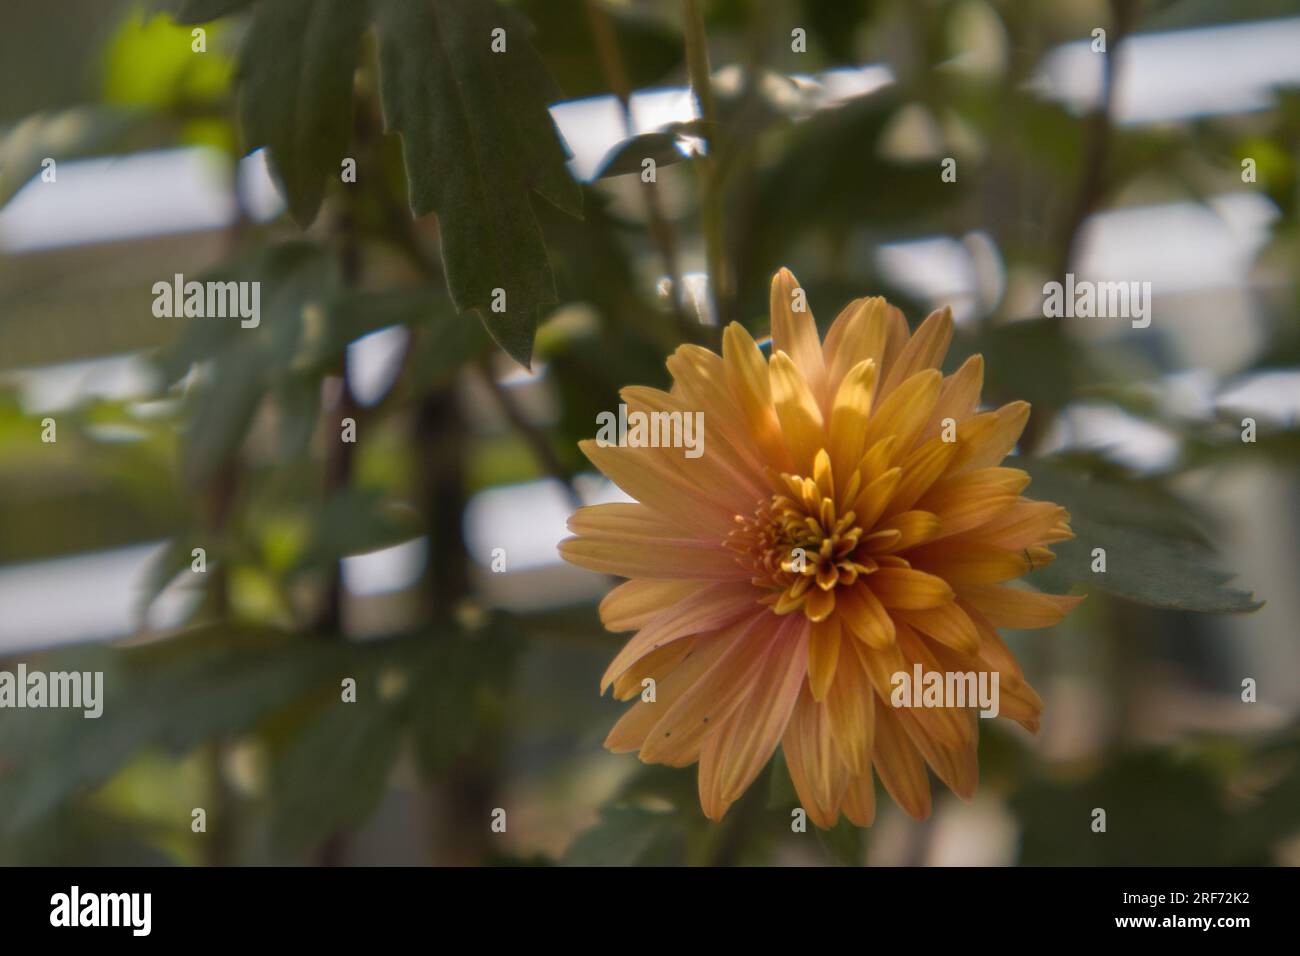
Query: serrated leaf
{"x":477,"y":141}
{"x":295,"y":91}
{"x":1153,"y":554}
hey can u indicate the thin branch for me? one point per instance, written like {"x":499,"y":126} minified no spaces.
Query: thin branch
{"x":697,"y":67}
{"x":1092,"y":180}
{"x":661,"y":230}
{"x":542,"y":451}
{"x":1099,"y":135}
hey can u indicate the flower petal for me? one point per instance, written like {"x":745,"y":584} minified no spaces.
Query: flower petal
{"x":651,"y":560}
{"x":823,"y":656}
{"x":948,"y":624}
{"x":904,"y":412}
{"x":865,"y":617}
{"x":713,"y":607}
{"x":850,"y":413}
{"x":989,"y":437}
{"x":748,"y":379}
{"x":850,"y":713}
{"x":819,"y":776}
{"x":632,"y":604}
{"x":1015,"y":608}
{"x":909,"y":588}
{"x":924,"y":350}
{"x":795,"y":332}
{"x":796,"y":407}
{"x":899,"y":765}
{"x":735,"y":753}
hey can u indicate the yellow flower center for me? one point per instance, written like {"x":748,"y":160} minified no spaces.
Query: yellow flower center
{"x":798,"y":541}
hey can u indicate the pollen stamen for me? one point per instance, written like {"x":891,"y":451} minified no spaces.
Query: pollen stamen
{"x":798,"y":543}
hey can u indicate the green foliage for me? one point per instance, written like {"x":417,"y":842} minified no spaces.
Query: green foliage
{"x":630,"y":836}
{"x":1162,"y":809}
{"x":476,"y":137}
{"x":463,"y":189}
{"x":477,"y":140}
{"x":295,"y":91}
{"x":1154,"y":554}
{"x":664,"y":146}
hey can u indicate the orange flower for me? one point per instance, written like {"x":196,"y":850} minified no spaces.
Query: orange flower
{"x":847,"y":520}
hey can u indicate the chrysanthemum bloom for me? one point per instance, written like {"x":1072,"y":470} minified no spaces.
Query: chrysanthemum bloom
{"x":847,"y":519}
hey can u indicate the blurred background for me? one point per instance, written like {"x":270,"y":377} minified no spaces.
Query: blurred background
{"x":815,"y":136}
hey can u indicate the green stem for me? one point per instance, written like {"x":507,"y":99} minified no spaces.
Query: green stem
{"x":697,"y":67}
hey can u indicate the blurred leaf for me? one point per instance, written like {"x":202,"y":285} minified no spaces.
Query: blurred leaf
{"x":357,"y":521}
{"x":295,"y":91}
{"x":648,"y":45}
{"x":175,"y":694}
{"x":1160,"y":811}
{"x":443,"y":342}
{"x":781,"y":794}
{"x":630,"y":836}
{"x":663,"y":146}
{"x":1032,"y":360}
{"x":453,"y":678}
{"x":151,"y":63}
{"x":1153,"y":555}
{"x":84,"y":835}
{"x":298,"y":280}
{"x":201,"y":11}
{"x":835,"y":26}
{"x":844,"y":843}
{"x":331,"y":772}
{"x":477,"y":140}
{"x":1279,"y":446}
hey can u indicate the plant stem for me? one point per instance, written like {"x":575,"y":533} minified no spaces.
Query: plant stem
{"x":661,"y":230}
{"x":697,"y":67}
{"x":537,"y":442}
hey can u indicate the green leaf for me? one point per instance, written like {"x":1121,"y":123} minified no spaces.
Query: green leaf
{"x":438,"y":353}
{"x":357,"y":521}
{"x":297,"y":280}
{"x":1153,"y":555}
{"x":295,"y":91}
{"x":453,"y":682}
{"x":843,"y":842}
{"x":334,"y":770}
{"x":630,"y":836}
{"x":648,"y":42}
{"x":477,"y":140}
{"x":664,"y":146}
{"x":1152,"y":803}
{"x":202,"y":11}
{"x":174,"y":694}
{"x":150,"y":64}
